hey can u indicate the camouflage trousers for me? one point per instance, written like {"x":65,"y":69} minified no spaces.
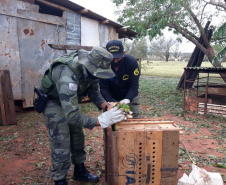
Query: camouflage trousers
{"x":66,"y":141}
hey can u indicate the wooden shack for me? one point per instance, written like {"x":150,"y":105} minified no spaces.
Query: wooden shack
{"x":35,"y":32}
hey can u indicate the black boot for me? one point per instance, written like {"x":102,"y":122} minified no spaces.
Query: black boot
{"x":61,"y":182}
{"x":81,"y":173}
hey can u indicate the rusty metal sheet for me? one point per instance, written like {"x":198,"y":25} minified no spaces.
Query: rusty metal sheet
{"x":27,"y":6}
{"x":35,"y":53}
{"x":49,"y":19}
{"x":8,"y":6}
{"x":11,"y":7}
{"x":24,"y":46}
{"x":73,"y":28}
{"x":9,"y":53}
{"x":15,"y":8}
{"x":25,"y":35}
{"x":9,"y":48}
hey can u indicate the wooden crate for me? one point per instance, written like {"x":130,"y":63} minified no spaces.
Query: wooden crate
{"x":214,"y":109}
{"x":142,"y":151}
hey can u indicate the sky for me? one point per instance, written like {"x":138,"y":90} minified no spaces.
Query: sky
{"x":102,"y":7}
{"x":106,"y":9}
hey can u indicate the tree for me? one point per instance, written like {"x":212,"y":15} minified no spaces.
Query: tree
{"x":163,"y":46}
{"x":137,"y":48}
{"x":187,"y":18}
{"x":176,"y":50}
{"x":221,"y":37}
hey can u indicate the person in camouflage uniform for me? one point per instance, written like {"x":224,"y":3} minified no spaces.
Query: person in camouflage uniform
{"x":65,"y":122}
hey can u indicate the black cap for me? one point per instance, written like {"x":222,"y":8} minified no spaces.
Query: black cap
{"x":115,"y":47}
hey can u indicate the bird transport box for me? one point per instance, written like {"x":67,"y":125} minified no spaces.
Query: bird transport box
{"x":142,"y":151}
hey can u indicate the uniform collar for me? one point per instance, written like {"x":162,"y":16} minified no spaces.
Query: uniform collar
{"x":85,"y":73}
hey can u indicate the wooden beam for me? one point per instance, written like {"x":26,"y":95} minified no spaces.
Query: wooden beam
{"x":69,"y":47}
{"x":122,"y":35}
{"x":61,"y":7}
{"x":121,"y":29}
{"x":50,"y":19}
{"x":83,"y":11}
{"x":105,"y":21}
{"x":143,"y":122}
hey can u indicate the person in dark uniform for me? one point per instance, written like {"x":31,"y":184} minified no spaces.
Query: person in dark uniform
{"x":124,"y":86}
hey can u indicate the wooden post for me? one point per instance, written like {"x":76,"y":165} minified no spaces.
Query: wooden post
{"x":195,"y":60}
{"x":7,"y":107}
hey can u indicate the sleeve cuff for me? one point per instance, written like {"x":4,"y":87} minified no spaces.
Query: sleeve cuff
{"x":91,"y":124}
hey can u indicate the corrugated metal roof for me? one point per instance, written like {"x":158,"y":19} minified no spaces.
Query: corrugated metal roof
{"x":206,"y":69}
{"x":92,"y":15}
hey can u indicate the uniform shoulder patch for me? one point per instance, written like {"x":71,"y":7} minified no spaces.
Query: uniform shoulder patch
{"x":73,"y":87}
{"x":125,"y":77}
{"x":136,"y":72}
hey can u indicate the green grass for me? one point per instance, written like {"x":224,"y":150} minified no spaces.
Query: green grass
{"x":167,"y":69}
{"x":163,"y":69}
{"x":161,"y":96}
{"x":158,"y":94}
{"x":157,"y":89}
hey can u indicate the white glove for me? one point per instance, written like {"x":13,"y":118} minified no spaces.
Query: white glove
{"x":110,"y":117}
{"x":125,"y":101}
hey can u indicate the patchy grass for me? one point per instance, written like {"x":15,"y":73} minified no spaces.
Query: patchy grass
{"x":163,"y":69}
{"x":25,"y":153}
{"x":167,"y":69}
{"x":161,"y":95}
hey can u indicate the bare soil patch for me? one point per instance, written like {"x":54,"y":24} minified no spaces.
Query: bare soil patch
{"x":25,"y":154}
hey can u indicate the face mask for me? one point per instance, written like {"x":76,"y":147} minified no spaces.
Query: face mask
{"x":117,"y":64}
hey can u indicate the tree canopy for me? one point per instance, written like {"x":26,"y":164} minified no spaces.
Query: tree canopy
{"x":187,"y":18}
{"x":137,"y":48}
{"x":163,"y":47}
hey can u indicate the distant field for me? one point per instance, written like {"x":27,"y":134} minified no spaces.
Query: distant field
{"x":166,"y":69}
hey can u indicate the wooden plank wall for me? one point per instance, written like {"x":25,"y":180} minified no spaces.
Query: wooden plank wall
{"x":111,"y":157}
{"x":214,"y":109}
{"x":7,"y":107}
{"x":170,"y":148}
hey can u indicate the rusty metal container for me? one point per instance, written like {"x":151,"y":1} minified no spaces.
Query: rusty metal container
{"x":142,"y":151}
{"x":27,"y":33}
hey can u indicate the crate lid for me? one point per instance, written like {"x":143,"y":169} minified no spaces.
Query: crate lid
{"x":145,"y":124}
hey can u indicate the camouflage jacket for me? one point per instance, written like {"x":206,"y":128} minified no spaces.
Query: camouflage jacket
{"x":71,"y":87}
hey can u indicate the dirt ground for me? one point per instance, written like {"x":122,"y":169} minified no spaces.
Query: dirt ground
{"x":25,"y":154}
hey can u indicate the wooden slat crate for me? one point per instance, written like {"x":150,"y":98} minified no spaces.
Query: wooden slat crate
{"x":219,"y":110}
{"x":7,"y":107}
{"x":142,"y":151}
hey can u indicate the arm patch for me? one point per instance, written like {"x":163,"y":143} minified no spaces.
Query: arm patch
{"x":136,"y":72}
{"x":73,"y":87}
